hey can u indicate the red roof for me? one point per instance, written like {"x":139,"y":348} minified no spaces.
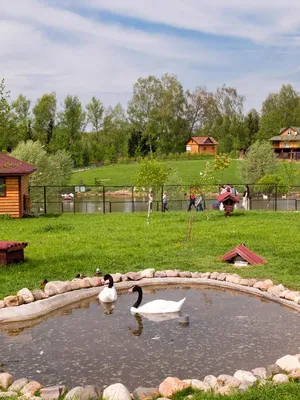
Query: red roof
{"x":13,"y":167}
{"x":203,"y":139}
{"x":227,"y":195}
{"x":4,"y":245}
{"x":243,"y":251}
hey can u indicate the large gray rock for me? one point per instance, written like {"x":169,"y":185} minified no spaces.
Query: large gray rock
{"x":245,"y":377}
{"x":39,"y":294}
{"x":280,"y":378}
{"x":116,"y":392}
{"x":133,"y":276}
{"x":288,"y":363}
{"x":117,"y":277}
{"x":196,"y":274}
{"x":185,"y":274}
{"x":228,"y":380}
{"x":261,"y":286}
{"x":211,"y":380}
{"x":13,"y":301}
{"x":52,"y":392}
{"x":18,"y":385}
{"x":26,"y":294}
{"x":58,"y":287}
{"x":5,"y":380}
{"x":142,"y":393}
{"x":75,"y":393}
{"x":260,"y":373}
{"x":147,"y":273}
{"x":198,"y":385}
{"x":172,"y":273}
{"x":272,"y":369}
{"x":96,"y":281}
{"x":31,"y":387}
{"x":291,"y":295}
{"x":160,"y":274}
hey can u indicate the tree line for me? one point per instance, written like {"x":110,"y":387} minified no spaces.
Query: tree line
{"x":159,"y":119}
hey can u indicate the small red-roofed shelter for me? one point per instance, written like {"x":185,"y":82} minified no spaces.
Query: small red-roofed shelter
{"x":11,"y":252}
{"x":229,"y":200}
{"x":201,"y":145}
{"x":14,"y":186}
{"x":242,"y":256}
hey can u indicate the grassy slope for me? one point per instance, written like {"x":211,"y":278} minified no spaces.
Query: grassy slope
{"x":188,"y":171}
{"x":289,"y":391}
{"x":62,"y":246}
{"x":123,"y":174}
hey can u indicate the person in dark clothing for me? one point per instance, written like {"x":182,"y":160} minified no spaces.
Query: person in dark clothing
{"x":192,"y":201}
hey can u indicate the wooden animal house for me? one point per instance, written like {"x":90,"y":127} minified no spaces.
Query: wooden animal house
{"x":228,"y":200}
{"x":11,"y":252}
{"x":241,"y":256}
{"x":14,"y":186}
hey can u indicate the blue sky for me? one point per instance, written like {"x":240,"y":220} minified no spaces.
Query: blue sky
{"x":101,"y":47}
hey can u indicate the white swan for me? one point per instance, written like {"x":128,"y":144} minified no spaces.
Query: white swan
{"x":108,"y":294}
{"x":155,"y":306}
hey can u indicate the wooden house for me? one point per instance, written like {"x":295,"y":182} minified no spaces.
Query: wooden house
{"x":201,"y":145}
{"x":14,"y":185}
{"x":287,"y":144}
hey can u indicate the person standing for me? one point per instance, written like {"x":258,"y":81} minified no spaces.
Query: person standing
{"x":150,"y":202}
{"x":192,"y":201}
{"x":246,"y":198}
{"x":165,"y":202}
{"x":199,"y":203}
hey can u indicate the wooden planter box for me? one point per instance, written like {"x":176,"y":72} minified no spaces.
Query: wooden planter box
{"x":11,"y":252}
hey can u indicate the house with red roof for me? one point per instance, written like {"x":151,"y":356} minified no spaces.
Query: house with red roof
{"x":14,"y":186}
{"x":201,"y":145}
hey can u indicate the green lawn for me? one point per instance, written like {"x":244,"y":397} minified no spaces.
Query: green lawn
{"x":288,"y":391}
{"x":187,"y":170}
{"x":62,"y":246}
{"x":123,"y":174}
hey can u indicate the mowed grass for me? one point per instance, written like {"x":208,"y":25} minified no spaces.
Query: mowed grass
{"x":187,"y":170}
{"x":62,"y":246}
{"x":123,"y":174}
{"x":288,"y":391}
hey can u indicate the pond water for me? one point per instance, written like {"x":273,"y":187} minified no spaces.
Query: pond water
{"x":84,"y":345}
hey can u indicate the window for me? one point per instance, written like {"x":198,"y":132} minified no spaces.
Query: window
{"x":188,"y":148}
{"x":2,"y":187}
{"x":289,"y":132}
{"x":286,"y":144}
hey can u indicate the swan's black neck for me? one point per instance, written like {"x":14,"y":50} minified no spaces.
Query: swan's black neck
{"x":140,"y":297}
{"x":110,"y":279}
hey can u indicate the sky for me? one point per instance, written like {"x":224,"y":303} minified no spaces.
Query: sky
{"x":101,"y":47}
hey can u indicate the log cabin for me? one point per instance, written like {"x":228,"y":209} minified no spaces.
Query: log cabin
{"x":14,"y":186}
{"x":201,"y":145}
{"x":287,"y":144}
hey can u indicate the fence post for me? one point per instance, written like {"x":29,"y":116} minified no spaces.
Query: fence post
{"x":132,"y":200}
{"x":103,"y":197}
{"x":275,"y":206}
{"x":45,"y":200}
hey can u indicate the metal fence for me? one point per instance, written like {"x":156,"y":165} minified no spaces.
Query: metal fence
{"x":109,"y":199}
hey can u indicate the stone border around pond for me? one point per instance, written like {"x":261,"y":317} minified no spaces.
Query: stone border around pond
{"x":60,"y":294}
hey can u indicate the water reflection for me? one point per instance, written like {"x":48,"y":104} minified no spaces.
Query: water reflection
{"x":108,"y":308}
{"x":137,"y":332}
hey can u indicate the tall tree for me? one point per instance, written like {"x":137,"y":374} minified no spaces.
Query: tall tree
{"x":95,"y":111}
{"x":21,"y":110}
{"x":44,"y":118}
{"x":229,"y":102}
{"x":8,"y":131}
{"x":252,"y":121}
{"x":201,"y":109}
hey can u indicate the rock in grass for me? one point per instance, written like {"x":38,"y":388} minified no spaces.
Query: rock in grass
{"x":260,"y":373}
{"x":172,"y":273}
{"x":228,"y":380}
{"x":142,"y":393}
{"x":13,"y":301}
{"x":147,"y":273}
{"x":31,"y":387}
{"x":280,"y":378}
{"x":245,"y":377}
{"x":288,"y":363}
{"x":116,"y":392}
{"x":5,"y":380}
{"x":39,"y":294}
{"x":75,"y":393}
{"x":171,"y":385}
{"x":8,"y":395}
{"x":160,"y":274}
{"x":27,"y":295}
{"x":58,"y":287}
{"x":52,"y":392}
{"x":198,"y":385}
{"x":18,"y":385}
{"x":211,"y":380}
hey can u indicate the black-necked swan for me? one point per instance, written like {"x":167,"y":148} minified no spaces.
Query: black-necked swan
{"x":155,"y":306}
{"x":108,"y":294}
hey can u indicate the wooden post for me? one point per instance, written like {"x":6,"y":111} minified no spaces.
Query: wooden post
{"x":103,"y":198}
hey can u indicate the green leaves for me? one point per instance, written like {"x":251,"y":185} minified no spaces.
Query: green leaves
{"x":152,"y":174}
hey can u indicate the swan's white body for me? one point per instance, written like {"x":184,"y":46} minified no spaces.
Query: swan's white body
{"x":159,"y":307}
{"x":108,"y":295}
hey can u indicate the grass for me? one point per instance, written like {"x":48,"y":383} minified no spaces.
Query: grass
{"x":62,"y":246}
{"x":187,"y":170}
{"x":123,"y":174}
{"x":288,"y":391}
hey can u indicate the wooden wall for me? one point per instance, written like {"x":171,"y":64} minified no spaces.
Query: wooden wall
{"x":10,"y":204}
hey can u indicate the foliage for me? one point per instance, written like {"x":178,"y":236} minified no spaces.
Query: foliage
{"x":221,"y":162}
{"x":44,"y":118}
{"x":271,"y":184}
{"x":95,"y":111}
{"x":8,"y":132}
{"x":260,"y":160}
{"x":63,"y":251}
{"x":22,"y":114}
{"x":152,"y":174}
{"x":54,"y":169}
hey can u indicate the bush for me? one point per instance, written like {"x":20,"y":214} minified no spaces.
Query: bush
{"x":269,"y":183}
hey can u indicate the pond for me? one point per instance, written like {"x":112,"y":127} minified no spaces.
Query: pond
{"x":82,"y":345}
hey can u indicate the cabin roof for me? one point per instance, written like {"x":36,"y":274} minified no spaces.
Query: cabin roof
{"x":243,"y":251}
{"x":285,"y":138}
{"x":202,"y":139}
{"x":228,"y":195}
{"x":295,"y":128}
{"x":13,"y":167}
{"x":5,"y":245}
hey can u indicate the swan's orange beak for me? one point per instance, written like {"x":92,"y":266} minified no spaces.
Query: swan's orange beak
{"x":130,"y":290}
